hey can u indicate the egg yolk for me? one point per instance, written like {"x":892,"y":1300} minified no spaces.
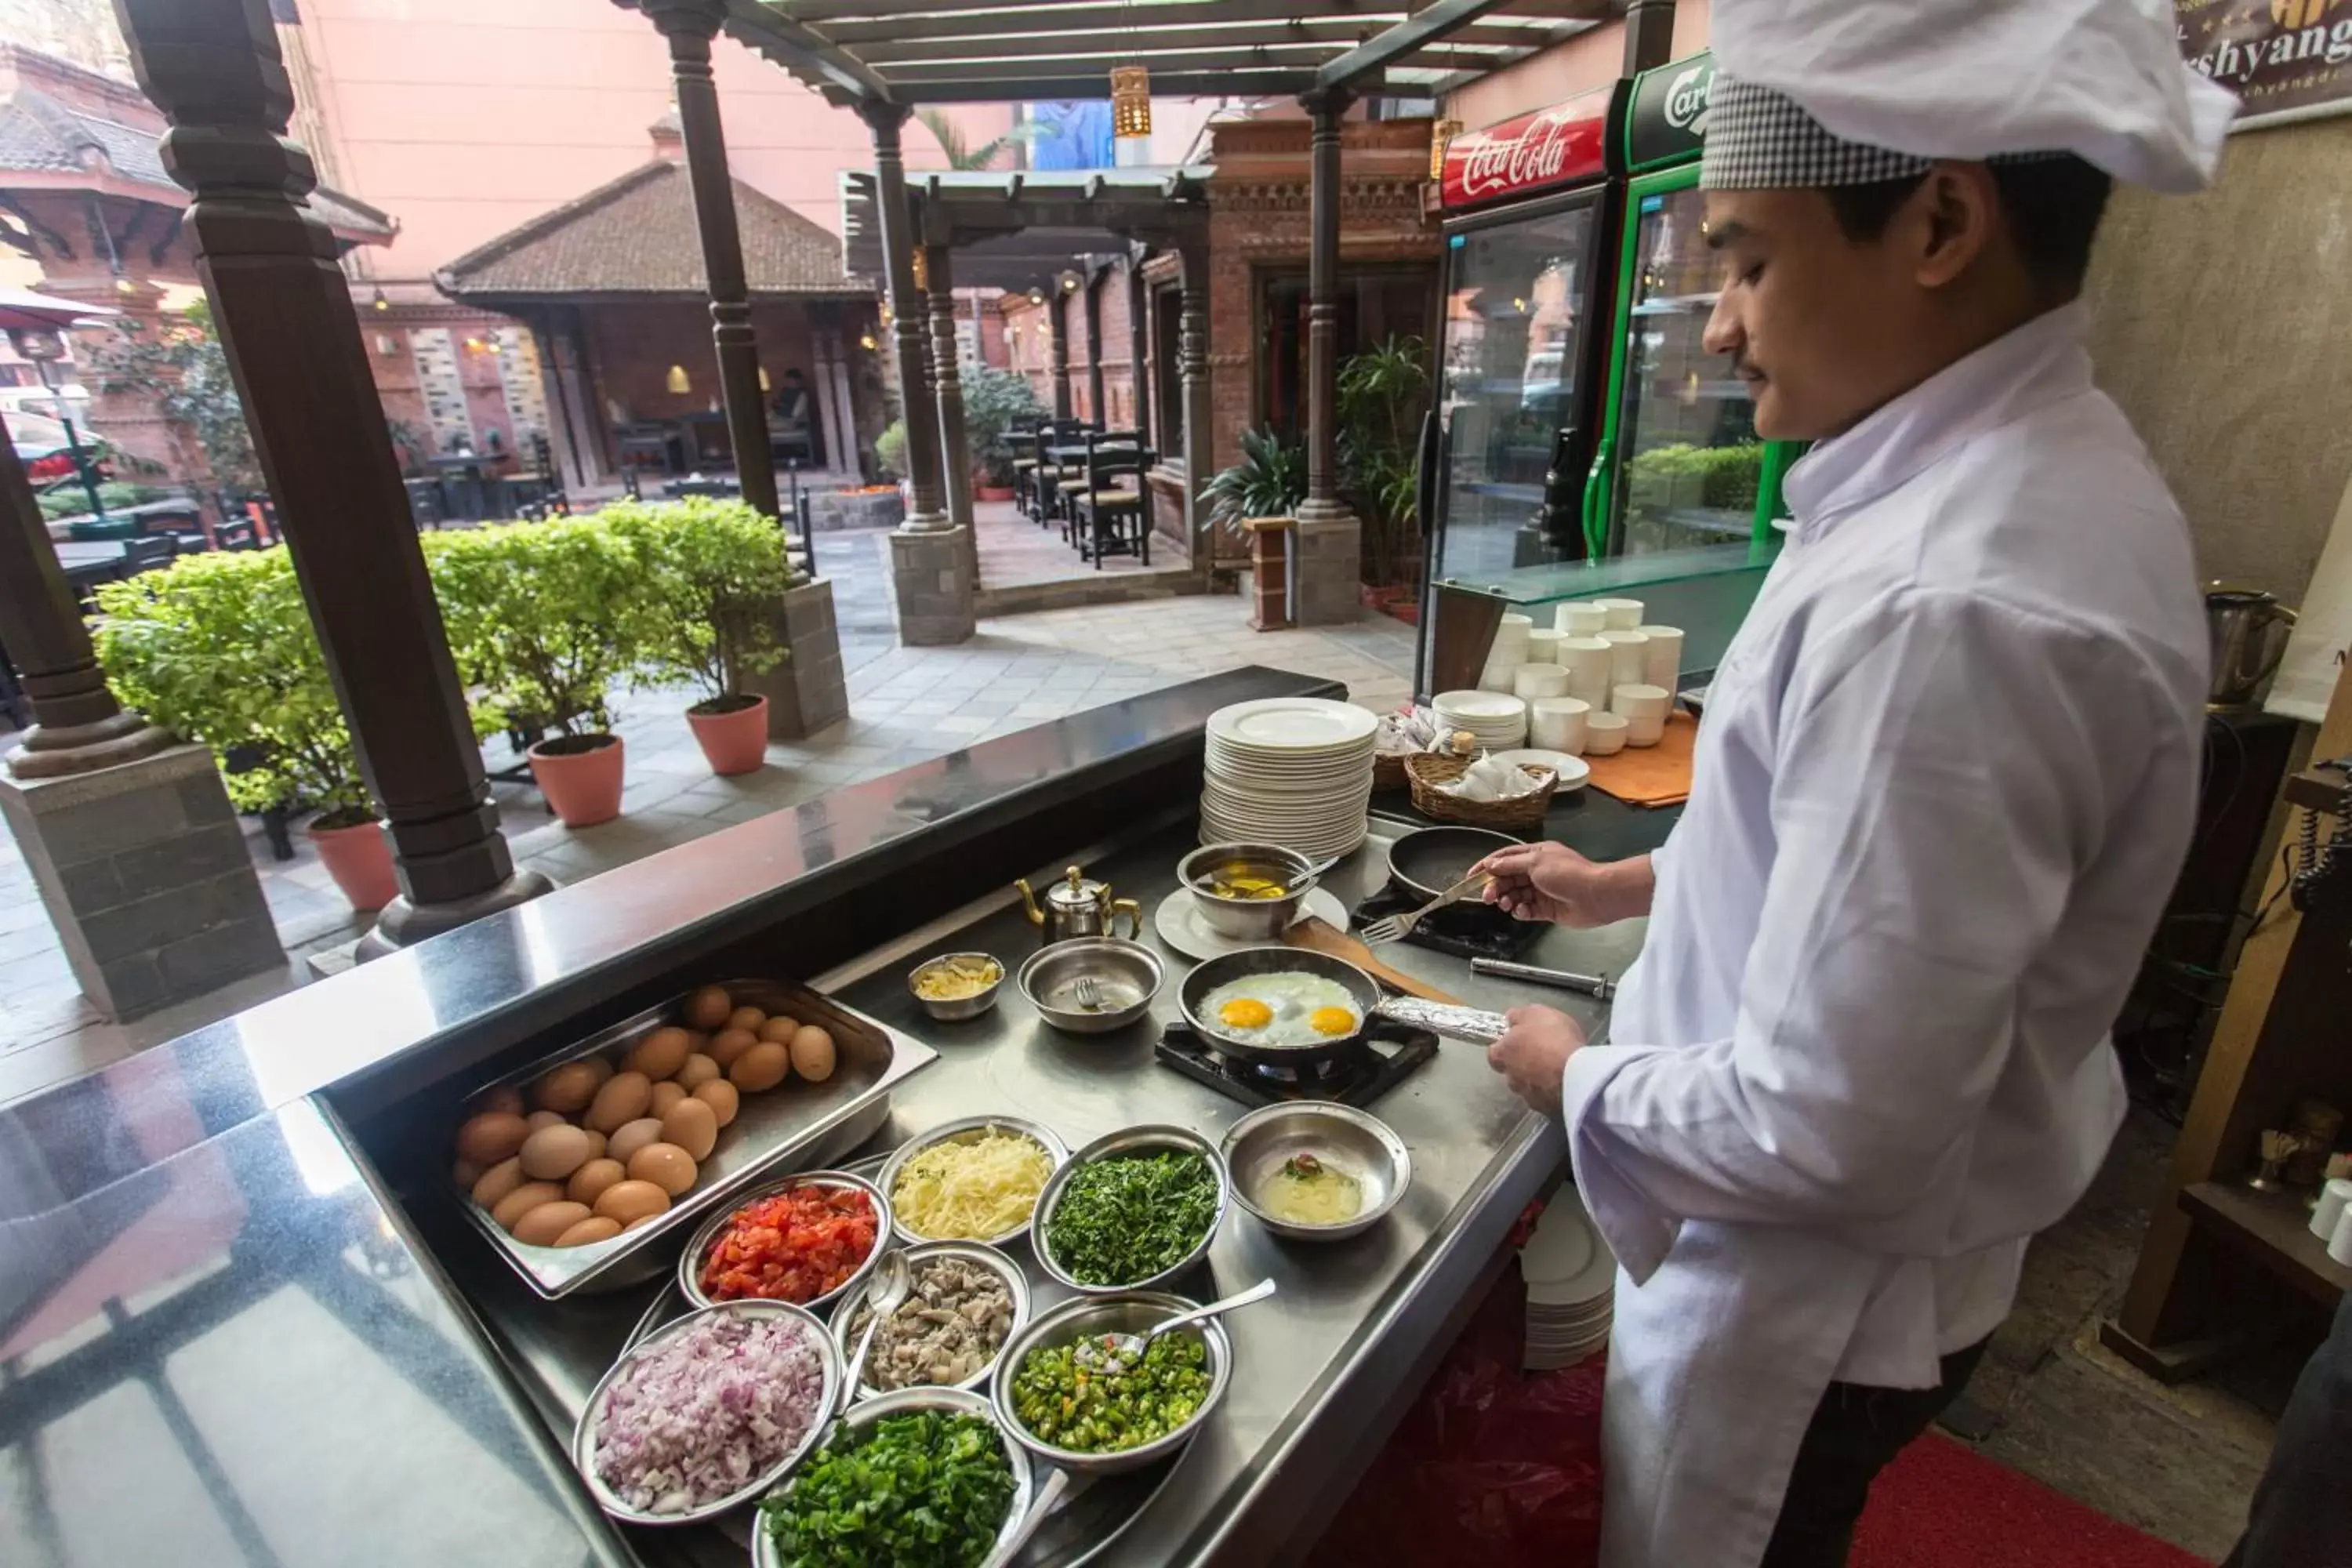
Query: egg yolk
{"x":1246,"y":1012}
{"x":1331,"y":1021}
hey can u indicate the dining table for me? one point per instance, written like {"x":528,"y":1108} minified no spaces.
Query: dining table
{"x":91,"y":561}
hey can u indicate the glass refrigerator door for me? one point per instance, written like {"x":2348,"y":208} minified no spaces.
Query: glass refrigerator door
{"x":1514,"y":334}
{"x":1683,"y":445}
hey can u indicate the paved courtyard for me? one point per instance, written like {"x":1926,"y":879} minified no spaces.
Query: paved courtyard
{"x":906,"y":705}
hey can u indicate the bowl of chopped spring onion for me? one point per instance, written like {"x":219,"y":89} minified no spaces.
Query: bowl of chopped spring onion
{"x":1131,"y":1211}
{"x":1053,"y":1397}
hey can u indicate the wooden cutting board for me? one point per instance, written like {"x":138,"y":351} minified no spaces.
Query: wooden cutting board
{"x":1321,"y":936}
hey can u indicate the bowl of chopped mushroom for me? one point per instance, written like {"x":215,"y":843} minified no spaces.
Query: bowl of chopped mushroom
{"x":966,"y":1302}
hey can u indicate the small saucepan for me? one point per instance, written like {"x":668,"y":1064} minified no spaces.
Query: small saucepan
{"x":1428,"y":860}
{"x":1364,"y":999}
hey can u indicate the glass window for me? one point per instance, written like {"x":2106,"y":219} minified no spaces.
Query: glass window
{"x":1373,"y":308}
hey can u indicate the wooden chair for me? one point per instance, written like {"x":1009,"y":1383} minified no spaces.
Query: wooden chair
{"x":1052,"y":475}
{"x":1109,"y":514}
{"x":1029,"y":452}
{"x":149,"y":552}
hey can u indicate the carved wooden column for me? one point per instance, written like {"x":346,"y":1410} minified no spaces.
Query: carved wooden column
{"x":955,"y":446}
{"x":285,"y":316}
{"x":1192,"y":370}
{"x":689,"y":25}
{"x":1136,"y":311}
{"x":1060,"y":304}
{"x":1327,"y":542}
{"x":1093,"y":287}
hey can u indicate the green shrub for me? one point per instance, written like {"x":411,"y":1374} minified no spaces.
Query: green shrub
{"x":69,"y":499}
{"x":544,"y":617}
{"x":713,"y":572}
{"x":890,"y":450}
{"x":998,"y":404}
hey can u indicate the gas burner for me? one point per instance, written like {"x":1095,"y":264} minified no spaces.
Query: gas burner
{"x":1466,"y":930}
{"x":1388,"y":1055}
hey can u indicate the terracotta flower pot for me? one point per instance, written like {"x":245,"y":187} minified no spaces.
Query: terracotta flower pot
{"x":581,"y":777}
{"x":358,"y":855}
{"x":992,"y":492}
{"x":732,"y":732}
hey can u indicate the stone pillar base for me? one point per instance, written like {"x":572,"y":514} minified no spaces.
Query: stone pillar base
{"x":145,"y":874}
{"x":404,"y":924}
{"x":809,"y":690}
{"x":931,"y":579}
{"x":1326,"y":556}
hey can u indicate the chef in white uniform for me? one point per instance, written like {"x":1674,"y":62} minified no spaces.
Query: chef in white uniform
{"x":1946,"y":777}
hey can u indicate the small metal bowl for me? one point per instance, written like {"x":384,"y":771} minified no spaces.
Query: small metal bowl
{"x":706,"y":1235}
{"x":966,"y":1128}
{"x":899,"y":1402}
{"x":844,"y":1316}
{"x":1129,"y":1312}
{"x":583,"y":1431}
{"x":957,"y":1009}
{"x":1341,"y":1136}
{"x":1127,"y":971}
{"x":1133,"y":1141}
{"x":1247,"y":920}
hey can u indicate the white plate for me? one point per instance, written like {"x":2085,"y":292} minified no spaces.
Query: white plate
{"x":1480,"y":705}
{"x":1293,"y":724}
{"x":1598,"y":1279}
{"x":1562,"y":1245}
{"x":1573,"y":770}
{"x":1178,"y":921}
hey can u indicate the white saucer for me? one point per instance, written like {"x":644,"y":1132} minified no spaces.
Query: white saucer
{"x":1178,"y":921}
{"x":1563,"y":1243}
{"x":1573,"y":770}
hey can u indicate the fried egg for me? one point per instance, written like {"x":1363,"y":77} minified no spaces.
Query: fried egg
{"x":1287,"y":1008}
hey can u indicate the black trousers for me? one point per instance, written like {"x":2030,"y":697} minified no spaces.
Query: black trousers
{"x":1855,"y":1430}
{"x":2302,"y":1514}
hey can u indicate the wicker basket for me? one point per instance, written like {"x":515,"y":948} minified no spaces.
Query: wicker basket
{"x":1426,"y":772}
{"x":1388,"y":770}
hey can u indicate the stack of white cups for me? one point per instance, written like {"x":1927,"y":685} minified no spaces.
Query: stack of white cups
{"x":1533,"y":681}
{"x":1507,"y":653}
{"x":1662,"y":657}
{"x":1557,"y":724}
{"x":1587,"y":660}
{"x":1643,"y":708}
{"x":1619,"y":614}
{"x":1579,"y":618}
{"x":1604,"y":734}
{"x":1543,"y":644}
{"x":1628,"y":656}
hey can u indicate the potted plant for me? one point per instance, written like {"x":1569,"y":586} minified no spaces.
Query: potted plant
{"x":998,"y":406}
{"x":542,"y":618}
{"x":890,"y":453}
{"x":1383,"y":393}
{"x":1269,"y":481}
{"x":715,"y":572}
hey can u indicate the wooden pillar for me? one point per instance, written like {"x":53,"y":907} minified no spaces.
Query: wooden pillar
{"x":1192,"y":370}
{"x":1137,"y":310}
{"x":76,"y":724}
{"x":689,"y":25}
{"x":907,"y":316}
{"x":1649,"y":35}
{"x":1100,"y":409}
{"x":955,"y":446}
{"x":1324,"y":109}
{"x":1060,"y":304}
{"x":286,"y":319}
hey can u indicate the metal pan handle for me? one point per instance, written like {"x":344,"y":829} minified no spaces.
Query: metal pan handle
{"x":1471,"y":1024}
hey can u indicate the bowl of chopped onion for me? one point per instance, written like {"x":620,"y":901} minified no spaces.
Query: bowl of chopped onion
{"x":706,"y":1412}
{"x":974,"y":1179}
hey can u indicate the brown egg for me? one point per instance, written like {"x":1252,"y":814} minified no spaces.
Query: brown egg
{"x":589,"y":1181}
{"x":497,"y":1182}
{"x":631,"y":1201}
{"x":729,"y":1044}
{"x":540,"y":1121}
{"x":666,"y":1165}
{"x":692,"y":1126}
{"x":779,"y":1028}
{"x":708,"y":1009}
{"x":695,"y":1071}
{"x":553,"y":1153}
{"x":465,"y":1173}
{"x":596,"y":1228}
{"x":522,"y":1200}
{"x":642,"y":1219}
{"x":764,"y":1065}
{"x":491,"y":1136}
{"x":569,"y":1089}
{"x":697,"y":1040}
{"x":623,"y":1100}
{"x":659,"y":1054}
{"x":813,"y":1054}
{"x":747,"y":1020}
{"x":722,"y":1097}
{"x":506,"y":1096}
{"x":665,"y":1096}
{"x":542,"y":1224}
{"x":596,"y":1142}
{"x":631,"y":1137}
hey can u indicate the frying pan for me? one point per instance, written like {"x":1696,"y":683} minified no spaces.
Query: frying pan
{"x":1428,"y":860}
{"x":1363,"y":995}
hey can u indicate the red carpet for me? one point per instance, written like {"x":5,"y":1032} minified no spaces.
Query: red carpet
{"x":1500,"y":1468}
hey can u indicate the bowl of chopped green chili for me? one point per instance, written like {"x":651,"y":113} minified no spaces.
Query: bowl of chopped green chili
{"x":1131,"y":1211}
{"x":1050,"y":1397}
{"x":921,"y":1477}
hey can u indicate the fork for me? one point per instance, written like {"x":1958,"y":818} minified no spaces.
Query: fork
{"x":1088,"y":992}
{"x":1395,"y":928}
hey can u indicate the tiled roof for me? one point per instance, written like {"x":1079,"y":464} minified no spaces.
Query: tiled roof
{"x":638,"y":236}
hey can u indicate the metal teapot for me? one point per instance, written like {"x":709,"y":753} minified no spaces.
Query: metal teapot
{"x":2248,"y":629}
{"x":1079,"y":906}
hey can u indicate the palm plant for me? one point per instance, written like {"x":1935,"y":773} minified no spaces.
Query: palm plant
{"x":1269,"y":481}
{"x":1382,"y":391}
{"x":961,"y":153}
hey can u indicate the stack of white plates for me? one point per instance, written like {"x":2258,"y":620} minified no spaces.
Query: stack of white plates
{"x":1572,"y":1281}
{"x":1293,"y":771}
{"x":1497,"y":720}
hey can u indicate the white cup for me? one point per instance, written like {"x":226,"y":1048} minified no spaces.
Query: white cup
{"x":1498,"y":674}
{"x":1662,"y":659}
{"x":2339,"y":1245}
{"x":1644,"y":731}
{"x":1543,"y":644}
{"x":1588,"y":661}
{"x":1621,"y":614}
{"x":2333,"y":1197}
{"x":1557,"y":724}
{"x":1637,"y":702}
{"x":1628,"y":652}
{"x":1580,"y":618}
{"x":1604,"y":733}
{"x":1540,"y":680}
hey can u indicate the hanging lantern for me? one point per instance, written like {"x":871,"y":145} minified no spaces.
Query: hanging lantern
{"x":1130,"y":102}
{"x":677,"y":381}
{"x":1442,"y":133}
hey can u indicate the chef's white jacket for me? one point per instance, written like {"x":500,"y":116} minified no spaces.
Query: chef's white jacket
{"x":1945,"y":781}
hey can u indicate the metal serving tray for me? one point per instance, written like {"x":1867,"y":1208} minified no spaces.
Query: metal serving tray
{"x":770,"y":1130}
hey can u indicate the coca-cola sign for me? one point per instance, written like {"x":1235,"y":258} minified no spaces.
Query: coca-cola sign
{"x":1553,"y":147}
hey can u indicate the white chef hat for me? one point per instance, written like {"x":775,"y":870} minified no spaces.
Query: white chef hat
{"x":1820,"y":92}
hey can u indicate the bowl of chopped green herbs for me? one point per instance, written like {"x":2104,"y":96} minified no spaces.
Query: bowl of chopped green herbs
{"x":1131,"y":1211}
{"x":921,"y":1477}
{"x":1054,"y":1397}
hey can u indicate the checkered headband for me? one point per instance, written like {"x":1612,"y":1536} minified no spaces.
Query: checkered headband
{"x":1757,"y":139}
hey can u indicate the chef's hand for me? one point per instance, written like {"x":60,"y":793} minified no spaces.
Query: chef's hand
{"x":1548,"y":882}
{"x":1533,"y":1052}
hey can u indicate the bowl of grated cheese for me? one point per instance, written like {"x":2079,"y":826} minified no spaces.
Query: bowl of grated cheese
{"x":977,"y":1179}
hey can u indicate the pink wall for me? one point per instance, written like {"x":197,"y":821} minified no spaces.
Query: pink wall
{"x":1590,"y":59}
{"x":464,"y":117}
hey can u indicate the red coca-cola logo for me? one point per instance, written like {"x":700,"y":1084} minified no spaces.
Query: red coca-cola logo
{"x":1555,"y":146}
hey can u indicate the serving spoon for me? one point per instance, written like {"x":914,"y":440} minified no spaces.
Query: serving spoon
{"x":891,"y":1282}
{"x":1119,"y":1353}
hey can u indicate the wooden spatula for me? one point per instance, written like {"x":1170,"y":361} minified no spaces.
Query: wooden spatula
{"x":1321,"y":936}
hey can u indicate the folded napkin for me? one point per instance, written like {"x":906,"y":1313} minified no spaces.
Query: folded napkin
{"x":1489,"y":780}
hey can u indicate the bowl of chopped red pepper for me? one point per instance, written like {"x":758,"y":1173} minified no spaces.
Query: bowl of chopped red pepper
{"x":805,"y":1239}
